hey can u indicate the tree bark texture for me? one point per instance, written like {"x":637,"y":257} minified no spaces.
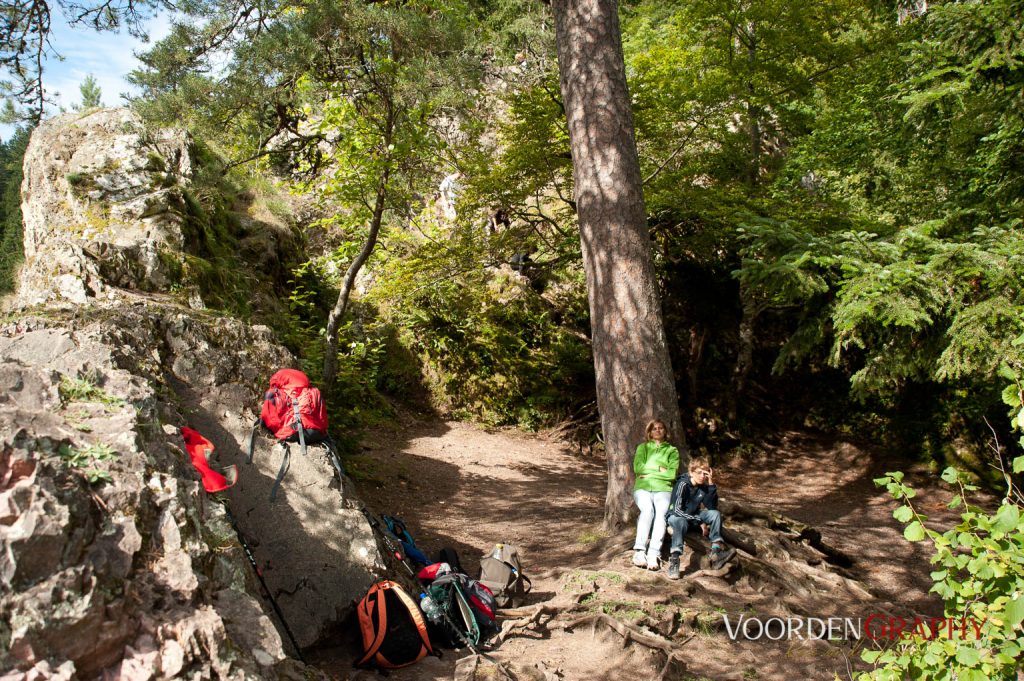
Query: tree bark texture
{"x":631,"y":360}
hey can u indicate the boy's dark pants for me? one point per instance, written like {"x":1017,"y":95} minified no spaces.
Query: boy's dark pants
{"x":680,"y":525}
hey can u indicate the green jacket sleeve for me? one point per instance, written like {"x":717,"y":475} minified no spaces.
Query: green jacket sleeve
{"x":673,"y":462}
{"x":640,"y":458}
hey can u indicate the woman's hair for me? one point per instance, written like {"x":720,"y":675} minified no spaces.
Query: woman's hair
{"x":698,"y":463}
{"x":650,"y":427}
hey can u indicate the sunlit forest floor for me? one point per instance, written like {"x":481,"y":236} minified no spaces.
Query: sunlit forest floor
{"x":461,"y":486}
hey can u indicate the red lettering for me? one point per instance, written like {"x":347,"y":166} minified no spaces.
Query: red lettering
{"x":895,"y":631}
{"x":867,"y":627}
{"x":977,"y":628}
{"x":919,"y":629}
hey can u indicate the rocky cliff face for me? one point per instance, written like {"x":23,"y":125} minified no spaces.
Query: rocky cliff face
{"x":110,"y":204}
{"x":113,"y":560}
{"x":102,"y":199}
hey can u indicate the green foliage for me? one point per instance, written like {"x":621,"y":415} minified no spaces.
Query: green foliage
{"x":490,"y":346}
{"x":901,"y":207}
{"x":844,"y":187}
{"x":980,"y":576}
{"x":85,"y":389}
{"x":371,"y":362}
{"x":219,"y":266}
{"x":12,"y":153}
{"x":92,"y":95}
{"x":85,"y":458}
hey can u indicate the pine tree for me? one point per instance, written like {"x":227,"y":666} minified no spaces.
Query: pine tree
{"x":92,"y":96}
{"x":631,"y":360}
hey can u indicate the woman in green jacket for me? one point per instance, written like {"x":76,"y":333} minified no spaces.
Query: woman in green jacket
{"x":655,"y":465}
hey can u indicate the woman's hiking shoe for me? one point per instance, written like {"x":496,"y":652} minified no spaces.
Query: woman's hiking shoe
{"x":653,"y":562}
{"x":673,"y":566}
{"x":720,"y":558}
{"x":640,"y":558}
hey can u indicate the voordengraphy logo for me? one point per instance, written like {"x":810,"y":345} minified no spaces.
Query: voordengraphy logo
{"x":874,"y":627}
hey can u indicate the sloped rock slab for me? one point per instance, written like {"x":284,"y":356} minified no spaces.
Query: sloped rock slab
{"x":317,"y":553}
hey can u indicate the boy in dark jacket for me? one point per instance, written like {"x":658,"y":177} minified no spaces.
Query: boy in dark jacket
{"x":695,"y":500}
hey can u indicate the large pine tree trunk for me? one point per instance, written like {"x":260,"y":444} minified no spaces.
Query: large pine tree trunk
{"x":631,"y":360}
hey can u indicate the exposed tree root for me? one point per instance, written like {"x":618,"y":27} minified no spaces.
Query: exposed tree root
{"x":528,"y":618}
{"x":793,"y":529}
{"x":626,"y":631}
{"x":633,"y":635}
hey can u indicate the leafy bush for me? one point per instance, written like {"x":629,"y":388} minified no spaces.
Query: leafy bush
{"x":979,"y":575}
{"x":491,"y":348}
{"x":85,"y":458}
{"x":85,"y":389}
{"x":369,"y":354}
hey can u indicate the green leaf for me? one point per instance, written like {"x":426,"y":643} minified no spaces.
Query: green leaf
{"x":1011,"y":395}
{"x":1015,"y":611}
{"x":914,"y":531}
{"x":968,"y":657}
{"x":1006,"y":519}
{"x":870,"y":656}
{"x":903,"y":514}
{"x":949,"y":475}
{"x":956,"y":501}
{"x":1018,"y":464}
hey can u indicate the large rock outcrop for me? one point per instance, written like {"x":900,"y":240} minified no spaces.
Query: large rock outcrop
{"x":113,"y":560}
{"x":102,"y":200}
{"x":110,"y":203}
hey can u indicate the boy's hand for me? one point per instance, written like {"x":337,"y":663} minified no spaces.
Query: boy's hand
{"x":705,"y":530}
{"x":711,"y":476}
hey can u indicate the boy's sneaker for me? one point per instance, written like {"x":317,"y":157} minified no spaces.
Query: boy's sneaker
{"x":640,"y":558}
{"x":720,"y":558}
{"x":673,"y":566}
{"x":653,"y":562}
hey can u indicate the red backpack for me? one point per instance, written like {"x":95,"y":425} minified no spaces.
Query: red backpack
{"x":293,"y":411}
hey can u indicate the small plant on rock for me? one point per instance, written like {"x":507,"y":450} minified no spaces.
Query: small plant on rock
{"x":85,"y":390}
{"x":86,"y":457}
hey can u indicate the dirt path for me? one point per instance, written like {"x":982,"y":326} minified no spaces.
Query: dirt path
{"x":462,"y":486}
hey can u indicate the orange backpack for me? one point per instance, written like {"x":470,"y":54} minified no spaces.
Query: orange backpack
{"x":394,"y":631}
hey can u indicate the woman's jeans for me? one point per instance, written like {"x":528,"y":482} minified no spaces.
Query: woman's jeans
{"x":650,"y":527}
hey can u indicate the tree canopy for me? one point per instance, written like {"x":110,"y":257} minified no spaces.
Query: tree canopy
{"x":831,"y":207}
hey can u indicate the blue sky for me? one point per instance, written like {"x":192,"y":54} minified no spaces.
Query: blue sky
{"x":109,"y":57}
